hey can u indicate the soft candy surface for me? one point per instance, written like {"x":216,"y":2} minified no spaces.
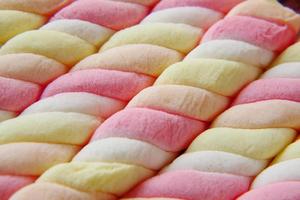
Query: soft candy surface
{"x":111,"y":14}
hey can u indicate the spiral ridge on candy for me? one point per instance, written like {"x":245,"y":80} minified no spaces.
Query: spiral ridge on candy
{"x":130,"y":61}
{"x":54,"y":131}
{"x":222,"y":161}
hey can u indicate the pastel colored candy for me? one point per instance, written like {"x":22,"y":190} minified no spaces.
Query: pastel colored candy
{"x":11,"y":184}
{"x":192,"y":185}
{"x":264,"y":114}
{"x":5,"y":115}
{"x":210,"y":74}
{"x":289,"y":153}
{"x":150,"y":199}
{"x":17,"y":95}
{"x":52,"y":191}
{"x":33,"y":158}
{"x":285,"y":70}
{"x":13,"y":22}
{"x":182,"y":100}
{"x":260,"y":144}
{"x":42,"y":7}
{"x":128,"y":151}
{"x":217,"y":161}
{"x":255,"y":31}
{"x":280,"y":172}
{"x":180,"y":37}
{"x":92,"y":33}
{"x":79,"y":102}
{"x":221,"y":6}
{"x":269,"y":10}
{"x":195,"y":16}
{"x":111,"y":14}
{"x":288,"y":190}
{"x":143,"y":2}
{"x":66,"y":128}
{"x":267,"y":89}
{"x":112,"y":178}
{"x":33,"y":68}
{"x":238,"y":51}
{"x":167,"y":131}
{"x":114,"y":84}
{"x":291,"y":54}
{"x":146,"y":59}
{"x":59,"y":46}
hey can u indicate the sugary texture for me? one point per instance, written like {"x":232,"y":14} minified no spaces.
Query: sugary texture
{"x":142,"y":2}
{"x":269,"y":10}
{"x":280,"y":172}
{"x":267,"y":89}
{"x":221,"y":6}
{"x":288,"y":190}
{"x":260,"y":144}
{"x":182,"y":100}
{"x":238,"y":51}
{"x":180,"y":37}
{"x":33,"y":68}
{"x":285,"y":70}
{"x":79,"y":102}
{"x":17,"y":95}
{"x":191,"y":184}
{"x":59,"y":46}
{"x":128,"y":151}
{"x":289,"y":153}
{"x":111,"y":14}
{"x":167,"y":131}
{"x":255,"y":31}
{"x":210,"y":74}
{"x":109,"y":83}
{"x":42,"y":7}
{"x":195,"y":16}
{"x":217,"y":161}
{"x":5,"y":115}
{"x":13,"y":22}
{"x":291,"y":54}
{"x":10,"y":184}
{"x":112,"y":178}
{"x":146,"y":59}
{"x":92,"y":33}
{"x":33,"y":158}
{"x":264,"y":114}
{"x":66,"y":128}
{"x":52,"y":191}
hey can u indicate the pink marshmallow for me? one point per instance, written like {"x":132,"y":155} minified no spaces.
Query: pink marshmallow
{"x":114,"y":84}
{"x":16,"y":95}
{"x":268,"y":89}
{"x":255,"y":31}
{"x":278,"y":191}
{"x":167,"y":131}
{"x":10,"y":184}
{"x":193,"y":185}
{"x":222,"y":5}
{"x":111,"y":14}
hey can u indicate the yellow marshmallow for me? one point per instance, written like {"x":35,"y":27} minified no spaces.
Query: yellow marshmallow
{"x":220,"y":76}
{"x":180,"y":37}
{"x":113,"y":178}
{"x":289,"y":153}
{"x":258,"y":144}
{"x":59,"y":46}
{"x":14,"y":22}
{"x":5,"y":115}
{"x":52,"y":127}
{"x":291,"y":54}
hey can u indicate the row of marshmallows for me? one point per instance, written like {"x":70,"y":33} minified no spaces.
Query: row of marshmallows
{"x":54,"y":129}
{"x":162,"y":120}
{"x":264,"y":118}
{"x":29,"y":62}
